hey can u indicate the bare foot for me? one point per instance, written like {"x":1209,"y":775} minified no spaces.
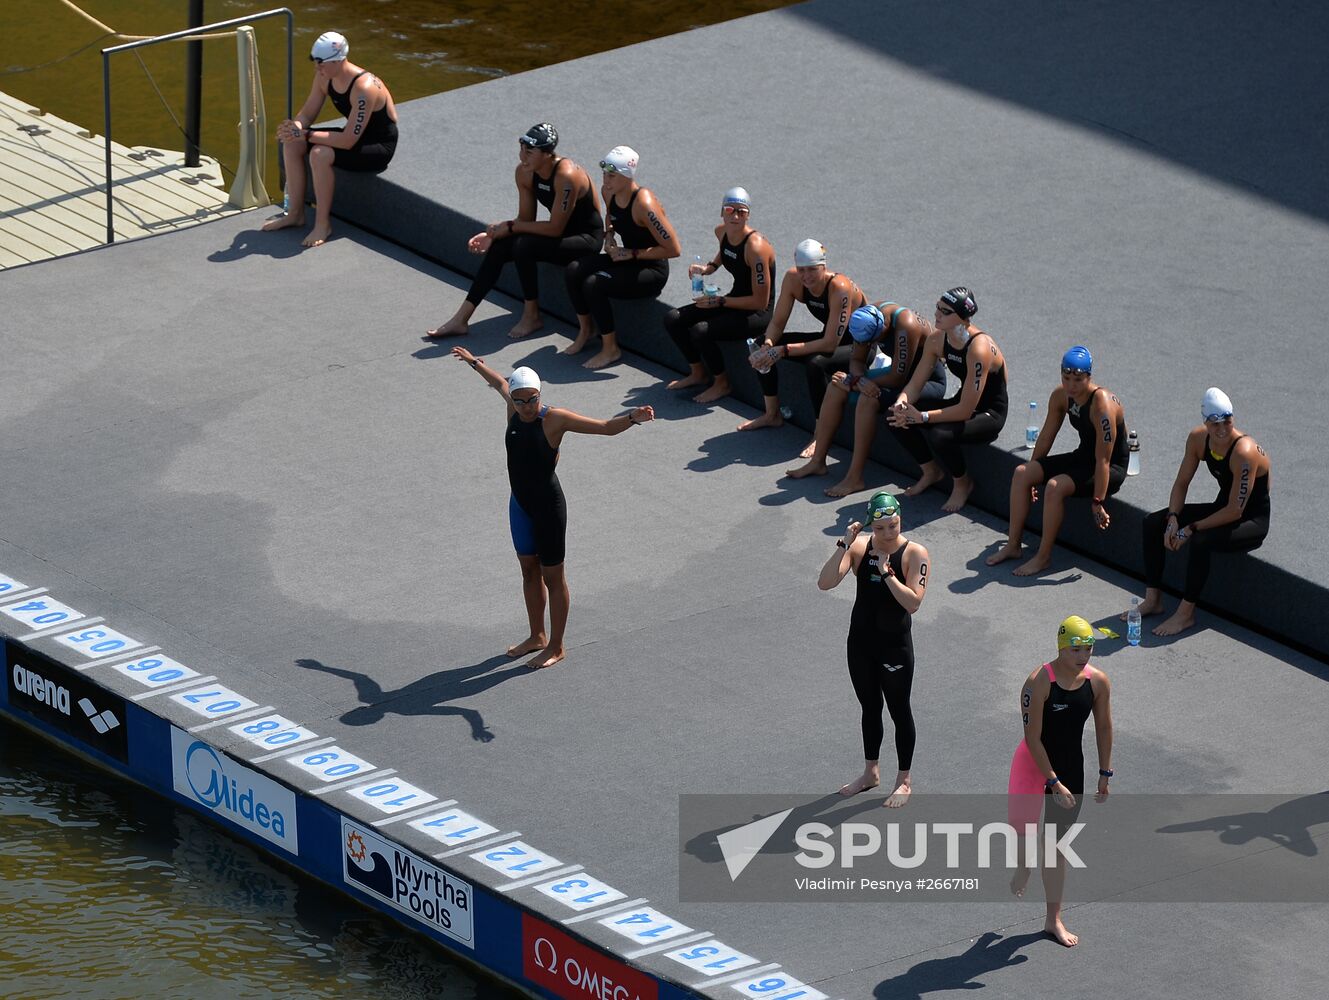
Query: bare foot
{"x":1146,"y":608}
{"x":868,"y":779}
{"x":528,"y":645}
{"x":525,"y":329}
{"x":959,"y":494}
{"x":1033,"y":567}
{"x":718,"y":390}
{"x":284,"y":221}
{"x":452,"y":328}
{"x":1055,"y":929}
{"x":765,"y":420}
{"x":846,"y":487}
{"x":688,"y":381}
{"x":1179,"y":622}
{"x":546,"y":659}
{"x":900,"y":796}
{"x":604,"y":359}
{"x":928,"y":480}
{"x":578,"y":345}
{"x":317,"y":236}
{"x":813,"y":468}
{"x":810,"y":450}
{"x":1007,"y":551}
{"x":1020,"y":882}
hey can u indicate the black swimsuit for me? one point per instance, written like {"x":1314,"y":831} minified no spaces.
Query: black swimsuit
{"x":1081,"y":463}
{"x":585,"y":217}
{"x":537,"y":512}
{"x":373,"y":150}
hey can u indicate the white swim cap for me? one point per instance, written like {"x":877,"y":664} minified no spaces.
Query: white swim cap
{"x":523,"y":378}
{"x":737,"y":196}
{"x":331,"y":46}
{"x":809,"y":253}
{"x":620,"y":160}
{"x":1216,"y":405}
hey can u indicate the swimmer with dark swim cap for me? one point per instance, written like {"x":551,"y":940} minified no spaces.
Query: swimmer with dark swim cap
{"x":537,"y":512}
{"x":574,"y":229}
{"x":831,"y":299}
{"x":365,"y":144}
{"x":1236,"y":520}
{"x":887,"y":347}
{"x":935,"y":437}
{"x":891,"y":573}
{"x":1095,"y":470}
{"x":742,"y":312}
{"x":1055,"y":702}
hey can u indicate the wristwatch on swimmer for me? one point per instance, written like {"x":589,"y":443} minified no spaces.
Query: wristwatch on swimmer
{"x":1105,"y":772}
{"x":1052,"y":783}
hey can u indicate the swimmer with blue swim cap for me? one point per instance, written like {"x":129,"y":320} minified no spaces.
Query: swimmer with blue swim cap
{"x":741,"y":313}
{"x":1095,"y":470}
{"x":886,"y":344}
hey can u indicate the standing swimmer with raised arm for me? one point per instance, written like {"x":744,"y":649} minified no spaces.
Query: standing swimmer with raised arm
{"x":892,"y":575}
{"x":537,"y":512}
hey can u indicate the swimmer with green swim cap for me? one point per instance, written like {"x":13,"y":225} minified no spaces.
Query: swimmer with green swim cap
{"x":890,"y":576}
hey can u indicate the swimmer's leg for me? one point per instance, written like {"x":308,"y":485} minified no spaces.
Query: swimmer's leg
{"x":1055,"y":494}
{"x":533,"y":592}
{"x":556,"y":582}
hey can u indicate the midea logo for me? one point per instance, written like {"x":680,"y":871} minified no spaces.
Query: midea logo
{"x":217,"y":789}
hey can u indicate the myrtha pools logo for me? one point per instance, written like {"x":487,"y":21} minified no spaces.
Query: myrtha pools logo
{"x":234,"y":792}
{"x":407,"y":883}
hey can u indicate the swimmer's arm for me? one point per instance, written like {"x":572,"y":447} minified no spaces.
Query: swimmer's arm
{"x":930,"y":354}
{"x":308,"y":112}
{"x":559,"y":422}
{"x":760,"y":259}
{"x":648,"y":212}
{"x":1103,"y":718}
{"x":1103,"y":413}
{"x":910,"y":594}
{"x":565,"y":198}
{"x":1032,"y":698}
{"x":983,"y":359}
{"x":906,"y":325}
{"x":842,"y":560}
{"x":784,"y":306}
{"x":1047,"y":435}
{"x":858,"y":360}
{"x":496,"y":381}
{"x":1245,"y":467}
{"x":355,"y":121}
{"x":1190,"y":461}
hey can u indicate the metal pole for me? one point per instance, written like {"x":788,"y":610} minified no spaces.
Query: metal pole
{"x":193,"y":86}
{"x":106,"y":128}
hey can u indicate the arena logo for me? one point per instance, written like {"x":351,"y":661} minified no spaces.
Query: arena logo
{"x":41,"y":689}
{"x":47,"y":691}
{"x":407,"y":883}
{"x":234,"y":792}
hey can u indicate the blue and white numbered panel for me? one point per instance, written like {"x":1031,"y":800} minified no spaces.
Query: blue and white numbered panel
{"x":213,"y":701}
{"x":516,"y":860}
{"x":777,"y":986}
{"x":392,"y":796}
{"x":41,"y":612}
{"x":330,"y":763}
{"x":273,"y":732}
{"x":156,"y":670}
{"x":711,"y":958}
{"x":645,"y":925}
{"x":453,"y":827}
{"x":8,"y":585}
{"x":581,"y":892}
{"x":97,"y":641}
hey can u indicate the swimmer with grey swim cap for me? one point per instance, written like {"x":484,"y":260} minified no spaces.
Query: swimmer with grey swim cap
{"x":331,"y":46}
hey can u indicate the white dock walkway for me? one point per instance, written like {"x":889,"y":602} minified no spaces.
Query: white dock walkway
{"x":53,"y":187}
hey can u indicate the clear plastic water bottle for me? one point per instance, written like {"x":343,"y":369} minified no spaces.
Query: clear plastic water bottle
{"x":1133,"y":446}
{"x":755,"y":345}
{"x":698,"y":281}
{"x":1031,"y":431}
{"x":786,"y":411}
{"x":1133,"y":622}
{"x":285,"y":202}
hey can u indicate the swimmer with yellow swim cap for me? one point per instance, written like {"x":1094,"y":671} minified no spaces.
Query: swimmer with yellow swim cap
{"x":1055,"y":702}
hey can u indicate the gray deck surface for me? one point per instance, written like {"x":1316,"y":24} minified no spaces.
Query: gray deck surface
{"x":249,"y":482}
{"x":245,"y":454}
{"x":1155,"y":195}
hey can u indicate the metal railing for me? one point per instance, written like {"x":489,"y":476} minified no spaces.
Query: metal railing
{"x":176,"y":36}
